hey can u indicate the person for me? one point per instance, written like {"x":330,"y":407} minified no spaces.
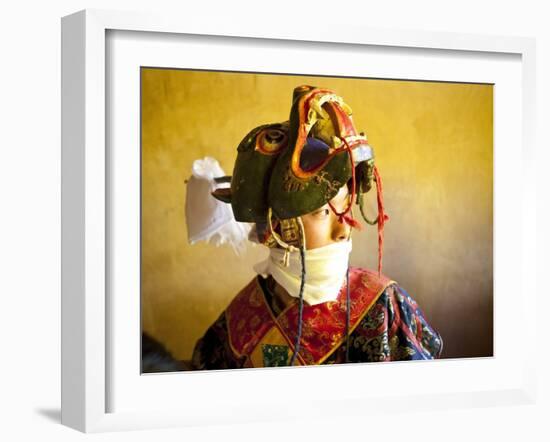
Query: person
{"x":297,"y":183}
{"x":155,"y":358}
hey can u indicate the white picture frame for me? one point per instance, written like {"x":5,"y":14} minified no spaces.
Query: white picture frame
{"x":87,"y":205}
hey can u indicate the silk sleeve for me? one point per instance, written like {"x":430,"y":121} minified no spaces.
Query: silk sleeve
{"x":394,"y":329}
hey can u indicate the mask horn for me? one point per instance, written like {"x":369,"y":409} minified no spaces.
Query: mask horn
{"x":222,"y":194}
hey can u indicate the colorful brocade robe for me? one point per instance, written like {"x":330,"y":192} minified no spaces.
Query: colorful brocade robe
{"x":386,"y":324}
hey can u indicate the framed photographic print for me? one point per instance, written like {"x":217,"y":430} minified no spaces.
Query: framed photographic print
{"x":150,"y":104}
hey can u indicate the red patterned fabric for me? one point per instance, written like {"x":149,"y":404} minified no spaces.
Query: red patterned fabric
{"x":249,"y":317}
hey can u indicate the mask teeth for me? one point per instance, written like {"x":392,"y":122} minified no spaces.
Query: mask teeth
{"x":317,"y":108}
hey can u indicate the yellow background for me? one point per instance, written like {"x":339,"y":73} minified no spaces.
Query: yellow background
{"x":434,"y":148}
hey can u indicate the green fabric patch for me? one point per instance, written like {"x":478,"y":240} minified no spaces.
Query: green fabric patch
{"x":275,"y":355}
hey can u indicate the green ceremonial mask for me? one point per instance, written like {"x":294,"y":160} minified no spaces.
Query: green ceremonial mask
{"x":299,"y":165}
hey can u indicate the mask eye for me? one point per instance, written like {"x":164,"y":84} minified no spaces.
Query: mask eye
{"x":271,"y":141}
{"x":314,"y":153}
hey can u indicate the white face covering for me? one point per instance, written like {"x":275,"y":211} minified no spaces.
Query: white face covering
{"x":325,"y":271}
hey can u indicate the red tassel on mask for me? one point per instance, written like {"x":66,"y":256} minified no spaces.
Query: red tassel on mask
{"x":352,"y":222}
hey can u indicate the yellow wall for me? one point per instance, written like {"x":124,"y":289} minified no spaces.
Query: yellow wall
{"x":433,"y":145}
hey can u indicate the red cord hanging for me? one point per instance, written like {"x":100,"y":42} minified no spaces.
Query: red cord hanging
{"x":382,"y":217}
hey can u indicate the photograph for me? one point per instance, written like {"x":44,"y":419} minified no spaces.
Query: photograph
{"x":292,"y":220}
{"x":302,"y":220}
